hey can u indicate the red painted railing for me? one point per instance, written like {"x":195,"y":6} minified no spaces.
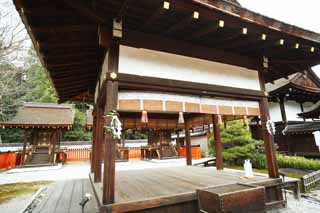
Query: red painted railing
{"x":134,"y":152}
{"x":78,"y":154}
{"x":8,"y":160}
{"x":195,"y":152}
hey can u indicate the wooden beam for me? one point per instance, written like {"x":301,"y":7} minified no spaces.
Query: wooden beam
{"x":64,"y":28}
{"x":217,"y":142}
{"x":155,"y":16}
{"x":180,"y":25}
{"x":188,"y":143}
{"x":86,"y":11}
{"x":154,"y":42}
{"x":212,"y":27}
{"x":267,"y":138}
{"x":122,"y":12}
{"x":110,"y":142}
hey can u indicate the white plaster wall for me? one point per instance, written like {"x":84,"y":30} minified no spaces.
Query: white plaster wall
{"x":292,"y":109}
{"x":169,"y":66}
{"x":275,"y":113}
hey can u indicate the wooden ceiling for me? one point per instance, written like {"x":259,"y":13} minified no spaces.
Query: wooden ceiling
{"x":65,"y":34}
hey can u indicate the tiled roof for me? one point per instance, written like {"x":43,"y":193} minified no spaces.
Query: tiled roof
{"x":40,"y":115}
{"x":305,"y":128}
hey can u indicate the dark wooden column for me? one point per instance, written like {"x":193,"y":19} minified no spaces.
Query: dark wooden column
{"x":54,"y":142}
{"x":283,"y":111}
{"x":178,"y":142}
{"x":267,"y":138}
{"x":99,"y":143}
{"x":110,"y":143}
{"x":217,"y":142}
{"x":188,"y":142}
{"x":94,"y":139}
{"x":302,"y":109}
{"x":25,"y":138}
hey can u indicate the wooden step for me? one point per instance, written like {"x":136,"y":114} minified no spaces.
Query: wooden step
{"x":276,"y":204}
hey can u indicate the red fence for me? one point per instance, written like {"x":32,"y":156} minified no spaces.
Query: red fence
{"x":8,"y":160}
{"x":78,"y":154}
{"x":134,"y":152}
{"x":195,"y":152}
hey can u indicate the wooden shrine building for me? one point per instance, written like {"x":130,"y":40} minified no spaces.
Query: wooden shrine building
{"x":43,"y":125}
{"x":166,"y":65}
{"x":288,"y":97}
{"x":300,"y":135}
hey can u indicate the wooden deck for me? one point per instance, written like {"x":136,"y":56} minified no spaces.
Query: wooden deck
{"x":64,"y":197}
{"x":151,"y":188}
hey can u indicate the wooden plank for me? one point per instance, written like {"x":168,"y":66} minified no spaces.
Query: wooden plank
{"x":76,"y":197}
{"x":64,"y":201}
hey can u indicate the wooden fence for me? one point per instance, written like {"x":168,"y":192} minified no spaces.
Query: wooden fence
{"x":8,"y":160}
{"x":309,"y":180}
{"x":134,"y":153}
{"x":195,"y":152}
{"x":80,"y":154}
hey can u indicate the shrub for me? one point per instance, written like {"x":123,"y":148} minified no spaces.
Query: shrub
{"x":296,"y":162}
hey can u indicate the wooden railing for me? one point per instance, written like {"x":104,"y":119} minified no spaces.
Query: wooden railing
{"x":8,"y":160}
{"x":80,"y":154}
{"x":134,"y":153}
{"x":309,"y":180}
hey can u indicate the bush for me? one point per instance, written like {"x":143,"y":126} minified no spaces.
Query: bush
{"x":238,"y":146}
{"x":296,"y":162}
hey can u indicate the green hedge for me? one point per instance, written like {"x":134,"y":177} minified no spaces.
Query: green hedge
{"x":298,"y":163}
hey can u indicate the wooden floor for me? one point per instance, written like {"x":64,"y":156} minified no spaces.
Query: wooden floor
{"x":64,"y":197}
{"x":141,"y":185}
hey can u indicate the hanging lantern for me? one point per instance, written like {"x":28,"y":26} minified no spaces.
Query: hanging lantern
{"x":144,"y":117}
{"x":181,"y":118}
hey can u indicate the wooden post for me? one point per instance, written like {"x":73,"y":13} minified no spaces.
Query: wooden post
{"x":24,"y":147}
{"x":178,"y":142}
{"x":110,"y":143}
{"x":94,"y":139}
{"x":283,"y":111}
{"x":217,"y":142}
{"x":267,"y":138}
{"x":188,"y":142}
{"x":302,"y":109}
{"x":99,"y":136}
{"x":54,"y":141}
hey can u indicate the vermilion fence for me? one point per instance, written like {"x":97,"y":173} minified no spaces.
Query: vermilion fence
{"x":134,"y":152}
{"x":78,"y":154}
{"x":195,"y":152}
{"x":8,"y":160}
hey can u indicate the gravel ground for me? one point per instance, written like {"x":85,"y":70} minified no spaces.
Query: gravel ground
{"x":16,"y":205}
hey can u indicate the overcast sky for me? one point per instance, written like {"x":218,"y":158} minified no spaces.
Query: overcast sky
{"x":305,"y":13}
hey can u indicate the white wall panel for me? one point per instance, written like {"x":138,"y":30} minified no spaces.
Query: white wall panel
{"x":170,"y":66}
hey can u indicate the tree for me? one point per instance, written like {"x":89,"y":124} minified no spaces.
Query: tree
{"x":12,"y":42}
{"x":238,"y":145}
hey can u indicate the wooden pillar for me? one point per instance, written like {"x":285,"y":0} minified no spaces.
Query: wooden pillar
{"x":54,"y":141}
{"x":99,"y":143}
{"x":25,"y":138}
{"x":217,"y":142}
{"x":110,"y":143}
{"x":267,"y":138}
{"x":283,"y":111}
{"x":188,"y":142}
{"x":94,"y":139}
{"x":178,"y":142}
{"x":302,"y":110}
